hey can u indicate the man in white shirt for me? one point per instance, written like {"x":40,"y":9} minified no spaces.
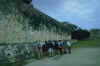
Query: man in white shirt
{"x":40,"y":45}
{"x":69,"y":46}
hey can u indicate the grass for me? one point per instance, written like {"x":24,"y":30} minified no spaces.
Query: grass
{"x":87,"y":43}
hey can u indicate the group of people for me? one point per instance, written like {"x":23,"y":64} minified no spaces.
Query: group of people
{"x":53,"y":47}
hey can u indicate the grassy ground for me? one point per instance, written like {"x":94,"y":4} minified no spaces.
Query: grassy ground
{"x":87,"y":43}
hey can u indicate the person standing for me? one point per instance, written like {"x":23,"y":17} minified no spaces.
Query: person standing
{"x":50,"y":48}
{"x":40,"y":45}
{"x":65,"y":46}
{"x":60,"y":46}
{"x":69,"y":46}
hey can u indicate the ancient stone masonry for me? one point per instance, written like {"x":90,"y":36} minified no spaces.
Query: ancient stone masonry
{"x":21,"y":22}
{"x":20,"y":25}
{"x":17,"y":52}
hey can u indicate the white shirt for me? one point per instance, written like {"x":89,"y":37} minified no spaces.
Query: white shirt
{"x":69,"y":43}
{"x":40,"y":43}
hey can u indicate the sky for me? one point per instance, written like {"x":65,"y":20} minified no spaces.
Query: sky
{"x":83,"y":13}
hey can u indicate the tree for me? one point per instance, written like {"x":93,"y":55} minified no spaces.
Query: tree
{"x":80,"y":34}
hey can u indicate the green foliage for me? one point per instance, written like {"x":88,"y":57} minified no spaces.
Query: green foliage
{"x":70,"y":27}
{"x":87,"y":43}
{"x":80,"y":34}
{"x":95,"y":33}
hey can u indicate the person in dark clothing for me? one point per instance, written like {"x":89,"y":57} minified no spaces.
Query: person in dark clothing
{"x":60,"y":46}
{"x":50,"y":48}
{"x":45,"y":48}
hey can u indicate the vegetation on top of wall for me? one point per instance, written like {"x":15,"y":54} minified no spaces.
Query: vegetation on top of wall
{"x":21,"y":22}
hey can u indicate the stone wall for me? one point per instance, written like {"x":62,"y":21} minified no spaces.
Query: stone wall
{"x":18,"y":20}
{"x":17,"y":52}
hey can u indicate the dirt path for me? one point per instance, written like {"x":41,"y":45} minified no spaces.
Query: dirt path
{"x":79,"y":57}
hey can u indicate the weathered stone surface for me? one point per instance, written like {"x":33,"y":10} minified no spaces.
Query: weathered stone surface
{"x":16,"y":52}
{"x":21,"y":22}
